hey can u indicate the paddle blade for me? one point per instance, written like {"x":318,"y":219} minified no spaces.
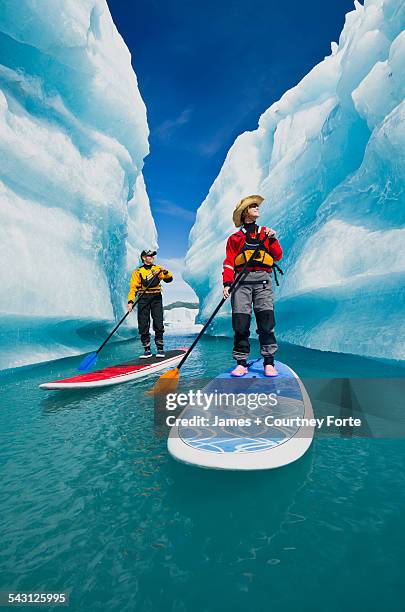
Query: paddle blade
{"x":167,"y":383}
{"x":88,"y":361}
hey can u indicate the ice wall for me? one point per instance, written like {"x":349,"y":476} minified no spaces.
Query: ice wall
{"x":73,"y":137}
{"x":329,"y":158}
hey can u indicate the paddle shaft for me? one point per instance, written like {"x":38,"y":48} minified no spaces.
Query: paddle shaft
{"x":236,"y":281}
{"x":127,"y":313}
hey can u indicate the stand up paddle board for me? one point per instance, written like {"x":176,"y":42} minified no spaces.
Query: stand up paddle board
{"x":237,"y":436}
{"x":117,"y":374}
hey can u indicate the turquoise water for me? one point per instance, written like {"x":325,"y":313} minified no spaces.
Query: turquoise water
{"x":92,"y":504}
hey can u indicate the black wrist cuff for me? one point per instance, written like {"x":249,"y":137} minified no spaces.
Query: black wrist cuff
{"x":130,"y":302}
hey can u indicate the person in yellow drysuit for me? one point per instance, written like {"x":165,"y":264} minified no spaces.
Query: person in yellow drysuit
{"x":150,"y":302}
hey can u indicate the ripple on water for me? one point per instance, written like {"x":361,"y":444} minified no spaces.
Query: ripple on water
{"x":92,"y":503}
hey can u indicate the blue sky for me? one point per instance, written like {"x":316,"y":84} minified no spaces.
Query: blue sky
{"x":206,"y":72}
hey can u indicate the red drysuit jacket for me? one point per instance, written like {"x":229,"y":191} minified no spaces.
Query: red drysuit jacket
{"x":234,"y":247}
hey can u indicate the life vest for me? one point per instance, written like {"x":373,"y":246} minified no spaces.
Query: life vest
{"x":262,"y":260}
{"x":145,"y":275}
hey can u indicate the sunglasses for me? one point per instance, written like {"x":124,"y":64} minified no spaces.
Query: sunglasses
{"x":253,"y":206}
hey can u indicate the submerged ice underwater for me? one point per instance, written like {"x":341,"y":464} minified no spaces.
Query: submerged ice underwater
{"x":94,"y":504}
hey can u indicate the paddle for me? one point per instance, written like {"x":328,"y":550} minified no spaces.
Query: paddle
{"x":91,"y":358}
{"x":167,"y":383}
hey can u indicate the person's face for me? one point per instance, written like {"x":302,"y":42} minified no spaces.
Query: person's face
{"x":252,"y":213}
{"x":148,"y":259}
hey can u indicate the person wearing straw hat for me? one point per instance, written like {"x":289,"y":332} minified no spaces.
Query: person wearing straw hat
{"x":256,"y":287}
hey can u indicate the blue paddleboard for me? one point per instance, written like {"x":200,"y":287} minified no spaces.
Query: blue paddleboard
{"x":249,"y":423}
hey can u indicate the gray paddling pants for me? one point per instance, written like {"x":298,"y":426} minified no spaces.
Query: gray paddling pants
{"x":255,"y":290}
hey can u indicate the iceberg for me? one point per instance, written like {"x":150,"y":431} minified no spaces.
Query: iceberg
{"x":73,"y":138}
{"x":329,"y":159}
{"x":181,"y":316}
{"x":181,"y":321}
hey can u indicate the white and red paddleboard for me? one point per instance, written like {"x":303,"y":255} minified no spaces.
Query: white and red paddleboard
{"x":114,"y":375}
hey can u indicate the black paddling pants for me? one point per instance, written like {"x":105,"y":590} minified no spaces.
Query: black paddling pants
{"x":256,"y":291}
{"x":151,"y":305}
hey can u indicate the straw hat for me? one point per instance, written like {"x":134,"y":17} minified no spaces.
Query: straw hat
{"x":243,"y":205}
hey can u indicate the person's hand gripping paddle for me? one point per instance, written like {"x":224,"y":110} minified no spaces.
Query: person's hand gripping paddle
{"x":167,"y":383}
{"x":91,"y":358}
